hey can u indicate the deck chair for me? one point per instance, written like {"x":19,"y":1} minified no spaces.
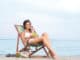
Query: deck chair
{"x":37,"y":47}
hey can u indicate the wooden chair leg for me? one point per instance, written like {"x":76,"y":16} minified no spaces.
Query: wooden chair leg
{"x":23,"y":49}
{"x":17,"y":47}
{"x":35,"y":51}
{"x":46,"y":52}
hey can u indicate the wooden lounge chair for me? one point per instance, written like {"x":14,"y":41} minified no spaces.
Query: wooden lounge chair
{"x":37,"y":47}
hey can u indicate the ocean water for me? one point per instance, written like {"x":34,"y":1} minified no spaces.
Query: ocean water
{"x":61,"y":47}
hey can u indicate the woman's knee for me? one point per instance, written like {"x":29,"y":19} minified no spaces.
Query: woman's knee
{"x":45,"y":34}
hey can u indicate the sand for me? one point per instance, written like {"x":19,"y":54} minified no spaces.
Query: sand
{"x":41,"y":58}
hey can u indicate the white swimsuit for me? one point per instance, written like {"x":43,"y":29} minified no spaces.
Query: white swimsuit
{"x":27,"y":35}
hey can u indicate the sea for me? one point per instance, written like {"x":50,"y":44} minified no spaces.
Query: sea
{"x":61,"y":47}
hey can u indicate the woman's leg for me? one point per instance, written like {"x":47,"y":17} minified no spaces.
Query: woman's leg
{"x":44,"y":38}
{"x":48,"y":45}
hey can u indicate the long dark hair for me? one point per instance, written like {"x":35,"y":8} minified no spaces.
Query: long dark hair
{"x":24,"y":24}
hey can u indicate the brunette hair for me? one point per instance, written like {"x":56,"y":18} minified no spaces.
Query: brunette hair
{"x":24,"y":24}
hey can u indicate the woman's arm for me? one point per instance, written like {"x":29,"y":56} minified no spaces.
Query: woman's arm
{"x":34,"y":33}
{"x":33,"y":29}
{"x":24,"y":41}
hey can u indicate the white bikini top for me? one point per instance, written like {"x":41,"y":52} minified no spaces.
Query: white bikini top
{"x":27,"y":34}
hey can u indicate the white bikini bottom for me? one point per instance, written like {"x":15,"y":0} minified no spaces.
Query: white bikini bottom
{"x":30,"y":40}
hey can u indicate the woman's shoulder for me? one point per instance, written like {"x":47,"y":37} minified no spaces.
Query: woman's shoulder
{"x":23,"y":32}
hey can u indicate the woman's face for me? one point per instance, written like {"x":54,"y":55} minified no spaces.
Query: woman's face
{"x":28,"y":25}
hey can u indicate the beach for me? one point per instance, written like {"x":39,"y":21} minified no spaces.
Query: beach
{"x":69,"y":52}
{"x":41,"y":58}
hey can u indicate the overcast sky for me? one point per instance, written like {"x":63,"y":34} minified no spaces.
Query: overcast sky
{"x":60,"y":18}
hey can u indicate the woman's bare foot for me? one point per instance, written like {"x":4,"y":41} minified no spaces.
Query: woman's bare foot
{"x":53,"y":55}
{"x":56,"y":58}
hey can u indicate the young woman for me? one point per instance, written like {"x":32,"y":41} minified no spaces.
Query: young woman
{"x":27,"y":36}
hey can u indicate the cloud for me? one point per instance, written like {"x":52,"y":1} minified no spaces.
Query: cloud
{"x":57,"y":17}
{"x":61,"y":14}
{"x":72,"y":5}
{"x":54,"y":5}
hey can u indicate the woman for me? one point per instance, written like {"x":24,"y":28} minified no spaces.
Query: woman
{"x":27,"y":36}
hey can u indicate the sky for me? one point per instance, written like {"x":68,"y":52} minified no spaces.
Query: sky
{"x":59,"y":18}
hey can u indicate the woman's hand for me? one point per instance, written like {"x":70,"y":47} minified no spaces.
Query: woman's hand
{"x":32,"y":36}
